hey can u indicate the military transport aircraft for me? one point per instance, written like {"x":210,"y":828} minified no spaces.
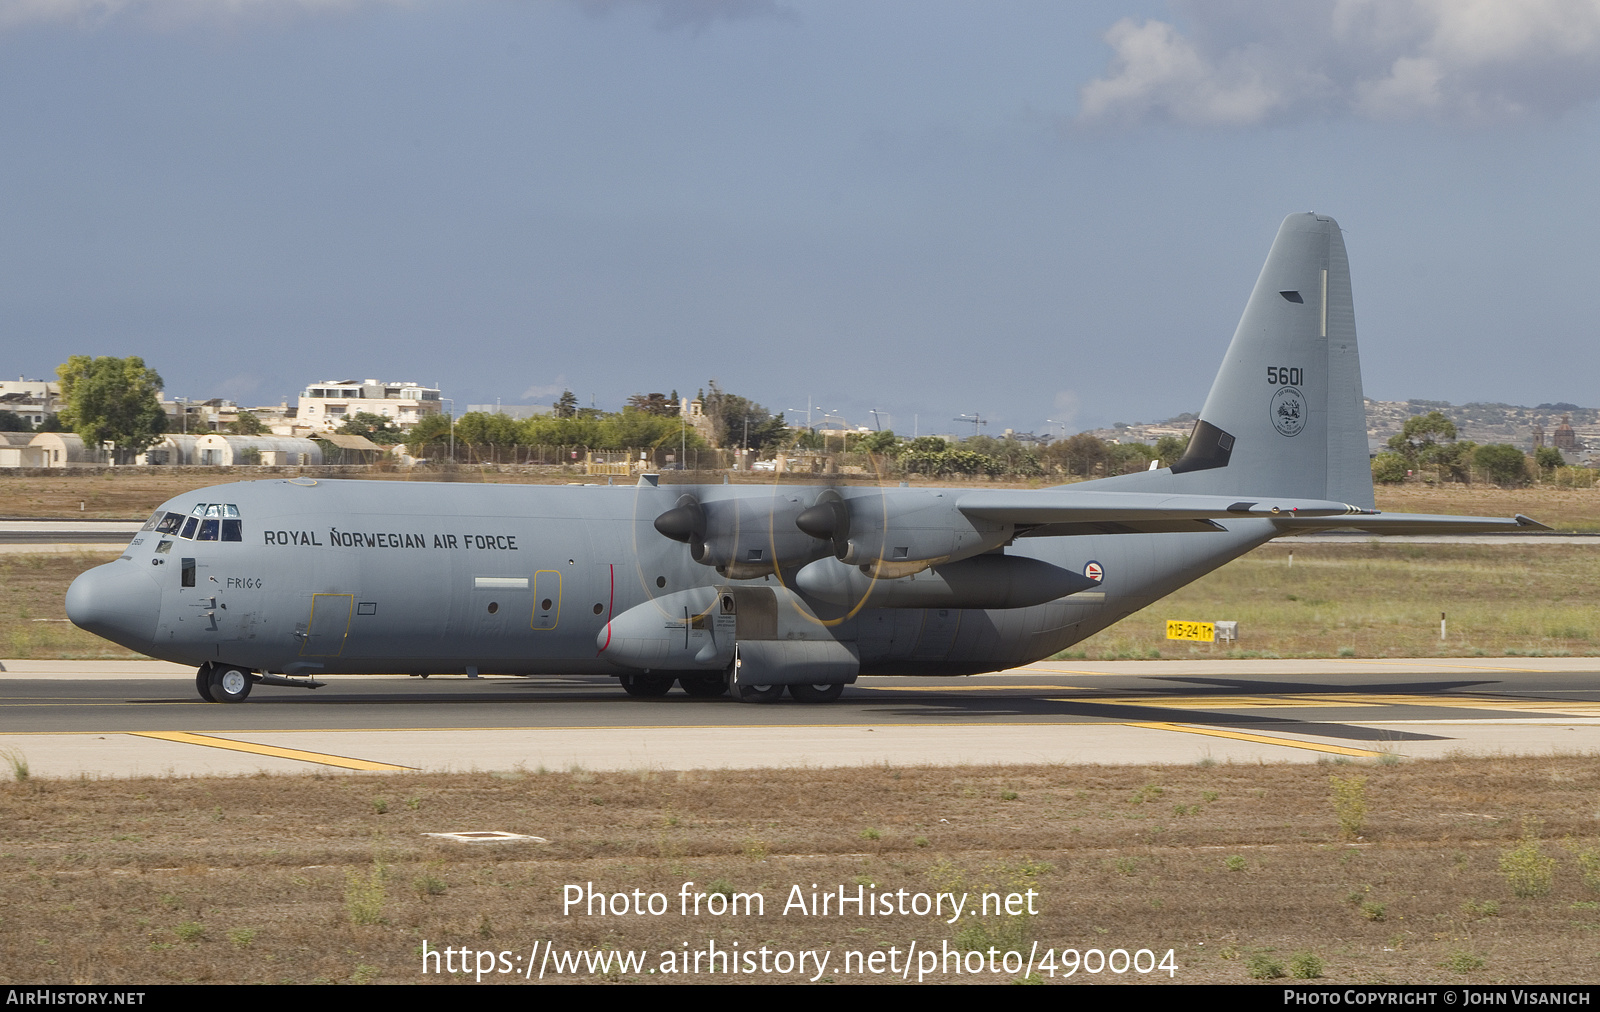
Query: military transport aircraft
{"x":757,"y":589}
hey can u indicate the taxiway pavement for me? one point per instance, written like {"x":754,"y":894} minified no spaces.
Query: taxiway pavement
{"x":142,"y":718}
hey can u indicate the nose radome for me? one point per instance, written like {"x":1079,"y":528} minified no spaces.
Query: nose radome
{"x":117,"y":601}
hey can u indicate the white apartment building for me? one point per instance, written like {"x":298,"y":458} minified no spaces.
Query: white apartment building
{"x":30,"y":399}
{"x":325,"y":406}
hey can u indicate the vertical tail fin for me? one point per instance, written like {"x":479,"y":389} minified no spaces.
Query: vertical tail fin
{"x":1286,"y":415}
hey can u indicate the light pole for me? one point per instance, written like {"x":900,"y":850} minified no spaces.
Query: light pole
{"x":452,"y":401}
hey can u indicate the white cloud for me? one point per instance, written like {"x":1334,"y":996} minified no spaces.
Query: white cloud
{"x":1257,"y":61}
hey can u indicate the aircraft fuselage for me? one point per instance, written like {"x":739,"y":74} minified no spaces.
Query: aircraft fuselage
{"x":359,"y":576}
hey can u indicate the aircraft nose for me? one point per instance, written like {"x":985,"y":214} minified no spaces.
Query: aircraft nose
{"x":117,"y":601}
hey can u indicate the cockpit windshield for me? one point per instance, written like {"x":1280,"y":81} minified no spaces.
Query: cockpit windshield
{"x":205,"y":522}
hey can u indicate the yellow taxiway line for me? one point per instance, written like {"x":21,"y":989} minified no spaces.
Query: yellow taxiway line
{"x":343,"y":762}
{"x":1259,"y":739}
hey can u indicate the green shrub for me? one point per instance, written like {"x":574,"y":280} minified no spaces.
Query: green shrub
{"x":364,"y":895}
{"x":1263,"y":967}
{"x":1350,"y":804}
{"x":1526,"y":868}
{"x":1305,"y":966}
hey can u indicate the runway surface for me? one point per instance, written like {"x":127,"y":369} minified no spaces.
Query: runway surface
{"x":143,"y":718}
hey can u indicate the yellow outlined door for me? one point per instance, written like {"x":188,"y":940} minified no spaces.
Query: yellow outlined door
{"x":546,"y":599}
{"x":328,"y":626}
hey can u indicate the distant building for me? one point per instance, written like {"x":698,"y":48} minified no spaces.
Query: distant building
{"x":694,"y":412}
{"x":175,"y":448}
{"x":1566,"y":440}
{"x":223,"y":450}
{"x":32,"y":400}
{"x":188,"y":417}
{"x":65,"y":449}
{"x":16,"y":450}
{"x":324,"y":406}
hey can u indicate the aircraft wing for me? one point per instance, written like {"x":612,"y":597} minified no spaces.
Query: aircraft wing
{"x":1058,"y":513}
{"x":1411,"y":523}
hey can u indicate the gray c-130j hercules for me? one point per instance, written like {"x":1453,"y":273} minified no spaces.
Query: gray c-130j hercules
{"x":755,"y":589}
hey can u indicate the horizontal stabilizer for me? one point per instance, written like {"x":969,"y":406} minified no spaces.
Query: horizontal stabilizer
{"x":1411,"y":523}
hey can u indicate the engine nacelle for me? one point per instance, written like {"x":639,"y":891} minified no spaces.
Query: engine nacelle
{"x":986,"y":581}
{"x":742,"y":538}
{"x":896,"y":532}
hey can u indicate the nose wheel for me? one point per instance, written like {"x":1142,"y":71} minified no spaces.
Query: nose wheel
{"x":202,"y":682}
{"x":223,"y":683}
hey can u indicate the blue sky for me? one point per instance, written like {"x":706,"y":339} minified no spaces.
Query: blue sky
{"x":1029,"y":210}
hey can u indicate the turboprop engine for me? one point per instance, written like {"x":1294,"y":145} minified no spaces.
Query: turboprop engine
{"x":897,"y":532}
{"x":742,"y":539}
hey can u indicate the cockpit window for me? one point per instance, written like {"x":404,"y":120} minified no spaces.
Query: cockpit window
{"x":169,"y":523}
{"x":155,"y":518}
{"x":207,"y":521}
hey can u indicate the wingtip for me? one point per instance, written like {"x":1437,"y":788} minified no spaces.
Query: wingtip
{"x":1525,"y":521}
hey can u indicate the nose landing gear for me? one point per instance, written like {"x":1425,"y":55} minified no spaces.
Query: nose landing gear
{"x":223,"y":683}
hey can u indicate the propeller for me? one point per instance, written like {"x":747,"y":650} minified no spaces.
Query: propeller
{"x":828,"y":520}
{"x":685,"y":522}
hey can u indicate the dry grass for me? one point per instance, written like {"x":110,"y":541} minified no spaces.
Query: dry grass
{"x":1380,"y":599}
{"x":298,"y":879}
{"x":33,"y":614}
{"x":1565,"y":509}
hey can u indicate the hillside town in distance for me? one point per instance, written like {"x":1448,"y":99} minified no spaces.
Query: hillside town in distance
{"x":112,"y":412}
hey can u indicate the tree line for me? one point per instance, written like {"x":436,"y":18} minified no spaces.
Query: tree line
{"x":117,"y":401}
{"x":1428,"y":445}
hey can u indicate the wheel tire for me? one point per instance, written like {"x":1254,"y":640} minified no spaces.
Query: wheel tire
{"x":754,"y":693}
{"x":706,"y":685}
{"x":646,"y":686}
{"x":202,"y":683}
{"x":230,"y":685}
{"x":816,"y":693}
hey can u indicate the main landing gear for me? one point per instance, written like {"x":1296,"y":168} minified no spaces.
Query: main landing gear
{"x":711,"y":684}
